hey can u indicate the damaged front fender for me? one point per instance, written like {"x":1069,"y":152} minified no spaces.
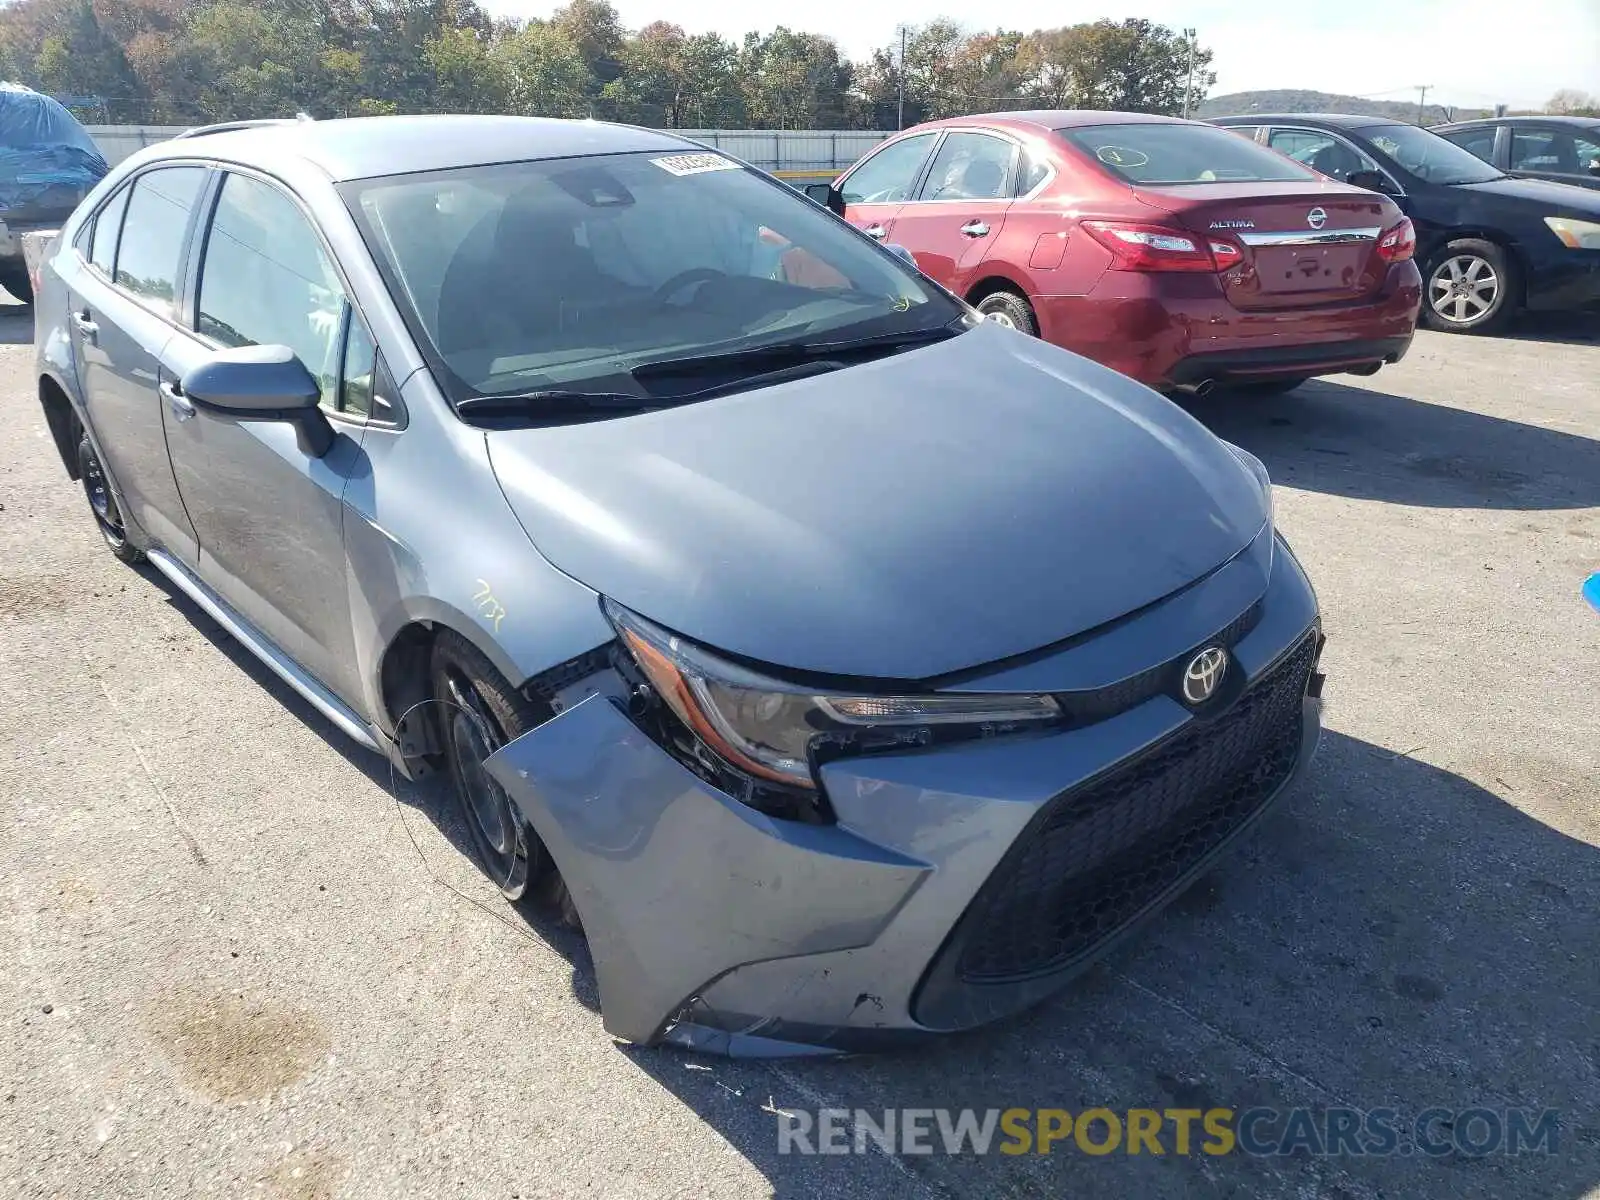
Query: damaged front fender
{"x":678,"y":883}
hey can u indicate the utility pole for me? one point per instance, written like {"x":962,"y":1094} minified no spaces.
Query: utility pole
{"x":1422,"y":99}
{"x":900,"y":112}
{"x":1188,"y":88}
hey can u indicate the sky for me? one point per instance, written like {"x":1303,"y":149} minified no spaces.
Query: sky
{"x":1471,"y":52}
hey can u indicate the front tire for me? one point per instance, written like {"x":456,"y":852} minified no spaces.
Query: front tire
{"x":478,"y":712}
{"x":1011,"y":310}
{"x":103,"y":503}
{"x":1470,"y":286}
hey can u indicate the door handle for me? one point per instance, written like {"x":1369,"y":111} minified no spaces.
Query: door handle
{"x":975,"y":229}
{"x":875,"y":231}
{"x":179,"y":404}
{"x":85,"y":325}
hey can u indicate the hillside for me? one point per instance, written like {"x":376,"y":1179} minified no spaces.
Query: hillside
{"x":1292,"y":100}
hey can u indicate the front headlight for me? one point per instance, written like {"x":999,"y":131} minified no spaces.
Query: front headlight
{"x":1574,"y":234}
{"x":766,"y":726}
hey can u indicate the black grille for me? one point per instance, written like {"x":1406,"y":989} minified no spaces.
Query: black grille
{"x":1099,"y":855}
{"x":1085,"y":708}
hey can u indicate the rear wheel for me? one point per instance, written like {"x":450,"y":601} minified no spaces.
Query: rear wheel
{"x":14,"y":278}
{"x":478,"y":713}
{"x":103,"y":504}
{"x":1471,"y":286}
{"x":1010,"y":310}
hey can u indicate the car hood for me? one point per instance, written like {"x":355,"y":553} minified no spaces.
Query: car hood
{"x":934,"y":510}
{"x":1548,"y":197}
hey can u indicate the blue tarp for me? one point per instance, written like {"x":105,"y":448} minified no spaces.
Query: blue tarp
{"x":42,"y":146}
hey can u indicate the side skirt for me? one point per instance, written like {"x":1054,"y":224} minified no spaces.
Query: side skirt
{"x":320,"y":698}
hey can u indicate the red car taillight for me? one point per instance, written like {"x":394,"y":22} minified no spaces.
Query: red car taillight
{"x":1137,"y":247}
{"x":1399,"y":244}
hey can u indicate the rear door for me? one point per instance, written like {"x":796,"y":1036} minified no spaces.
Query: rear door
{"x":270,"y":516}
{"x":960,"y":207}
{"x":1559,"y":154}
{"x":123,"y":315}
{"x":875,"y":188}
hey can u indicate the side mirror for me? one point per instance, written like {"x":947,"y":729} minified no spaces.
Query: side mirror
{"x":262,"y":383}
{"x":1372,"y":181}
{"x":826,"y":195}
{"x":899,"y":251}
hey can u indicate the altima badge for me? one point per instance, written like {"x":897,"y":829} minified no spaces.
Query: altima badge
{"x":1203,"y":675}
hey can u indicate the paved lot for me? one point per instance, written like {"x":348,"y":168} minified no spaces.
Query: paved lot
{"x":226,"y":967}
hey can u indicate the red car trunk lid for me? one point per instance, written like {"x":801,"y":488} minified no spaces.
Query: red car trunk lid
{"x":1303,"y":246}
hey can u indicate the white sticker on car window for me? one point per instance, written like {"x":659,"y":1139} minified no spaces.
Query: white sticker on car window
{"x":694,"y":164}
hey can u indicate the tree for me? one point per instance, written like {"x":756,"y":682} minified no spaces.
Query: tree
{"x":1572,"y":102}
{"x":466,"y":77}
{"x":544,"y":74}
{"x":793,"y":80}
{"x":671,"y":79}
{"x":1125,"y":66}
{"x":78,"y":57}
{"x":595,"y":30}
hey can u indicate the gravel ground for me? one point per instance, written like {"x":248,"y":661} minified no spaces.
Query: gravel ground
{"x":235,"y":962}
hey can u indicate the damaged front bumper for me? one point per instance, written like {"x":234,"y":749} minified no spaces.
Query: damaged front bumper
{"x":960,"y":884}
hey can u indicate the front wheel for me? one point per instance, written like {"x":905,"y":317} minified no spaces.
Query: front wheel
{"x":1471,"y":286}
{"x":1011,"y":310}
{"x":478,"y":713}
{"x":103,"y":504}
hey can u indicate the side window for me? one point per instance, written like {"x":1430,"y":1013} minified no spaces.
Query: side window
{"x":156,"y":220}
{"x":1031,"y":172}
{"x":1247,"y":132}
{"x":265,"y":280}
{"x":889,"y":175}
{"x":969,"y":166}
{"x":1479,"y":142}
{"x":364,"y":385}
{"x":1543,"y":150}
{"x":107,"y":225}
{"x":1588,"y":155}
{"x":1332,"y":156}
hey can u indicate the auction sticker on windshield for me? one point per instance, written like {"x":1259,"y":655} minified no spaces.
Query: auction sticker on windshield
{"x":695,"y":164}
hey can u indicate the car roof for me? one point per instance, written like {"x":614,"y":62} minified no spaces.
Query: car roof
{"x":362,"y":147}
{"x":1585,"y":123}
{"x":1055,"y":118}
{"x":1335,"y":120}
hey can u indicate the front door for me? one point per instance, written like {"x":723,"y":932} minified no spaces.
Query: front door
{"x":875,"y":188}
{"x":270,"y":516}
{"x":122,"y":319}
{"x":960,"y":206}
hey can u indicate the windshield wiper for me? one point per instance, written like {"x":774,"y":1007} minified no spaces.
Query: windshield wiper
{"x":789,"y":352}
{"x":554,"y":401}
{"x":557,"y":403}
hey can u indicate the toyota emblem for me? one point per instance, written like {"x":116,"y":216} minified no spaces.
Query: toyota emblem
{"x":1316,"y":218}
{"x":1203,"y":676}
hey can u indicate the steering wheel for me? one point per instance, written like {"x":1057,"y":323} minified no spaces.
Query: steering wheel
{"x":684,"y":278}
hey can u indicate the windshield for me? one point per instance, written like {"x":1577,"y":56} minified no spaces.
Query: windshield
{"x":567,"y":273}
{"x":1428,"y":156}
{"x":1157,"y":153}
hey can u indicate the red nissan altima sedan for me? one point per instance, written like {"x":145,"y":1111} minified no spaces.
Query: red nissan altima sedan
{"x":1175,"y":252}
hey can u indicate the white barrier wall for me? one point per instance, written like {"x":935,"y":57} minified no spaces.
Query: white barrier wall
{"x":818,"y":152}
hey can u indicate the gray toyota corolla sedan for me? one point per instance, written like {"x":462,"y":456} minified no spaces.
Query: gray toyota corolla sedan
{"x":847,"y":668}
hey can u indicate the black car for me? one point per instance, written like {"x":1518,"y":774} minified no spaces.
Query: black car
{"x":1560,"y":149}
{"x":1489,"y":245}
